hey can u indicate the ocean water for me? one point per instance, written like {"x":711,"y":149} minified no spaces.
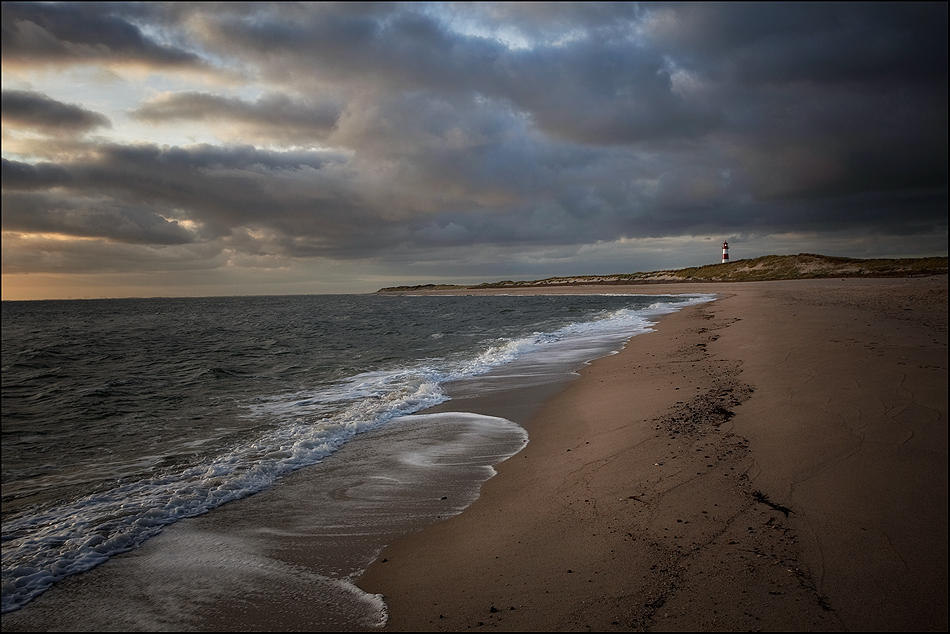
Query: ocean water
{"x":120,"y":417}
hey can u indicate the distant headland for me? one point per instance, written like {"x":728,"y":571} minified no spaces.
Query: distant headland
{"x":767,"y":267}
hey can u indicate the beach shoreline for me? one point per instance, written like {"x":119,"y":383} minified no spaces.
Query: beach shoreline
{"x":776,"y":459}
{"x":286,"y":557}
{"x":761,"y":461}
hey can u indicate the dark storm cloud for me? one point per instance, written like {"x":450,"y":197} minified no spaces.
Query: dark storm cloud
{"x":24,"y":253}
{"x":74,"y":33}
{"x":821,"y":42}
{"x":381,"y":46}
{"x":768,"y":73}
{"x":273,"y":116}
{"x":226,"y":187}
{"x":26,"y":109}
{"x":138,"y":194}
{"x":25,"y":177}
{"x":600,"y":94}
{"x":42,"y":213}
{"x":593,"y":91}
{"x":307,"y":203}
{"x":519,"y":125}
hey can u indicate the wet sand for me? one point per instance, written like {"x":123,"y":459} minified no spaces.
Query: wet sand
{"x":774,"y":460}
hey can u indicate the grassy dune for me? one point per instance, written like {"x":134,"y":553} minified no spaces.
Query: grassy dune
{"x":768,"y":267}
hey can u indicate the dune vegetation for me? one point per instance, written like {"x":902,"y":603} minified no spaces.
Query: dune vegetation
{"x":767,"y":267}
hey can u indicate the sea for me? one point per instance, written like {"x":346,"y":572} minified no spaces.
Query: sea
{"x":123,"y":417}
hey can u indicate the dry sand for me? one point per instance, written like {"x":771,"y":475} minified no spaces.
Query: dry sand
{"x":774,"y":460}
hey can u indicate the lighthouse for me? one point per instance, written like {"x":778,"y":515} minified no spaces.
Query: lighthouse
{"x":725,"y":252}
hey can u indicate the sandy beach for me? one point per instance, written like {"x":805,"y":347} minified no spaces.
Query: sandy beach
{"x":774,"y":460}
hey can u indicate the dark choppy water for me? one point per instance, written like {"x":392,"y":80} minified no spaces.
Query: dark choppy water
{"x":122,"y":416}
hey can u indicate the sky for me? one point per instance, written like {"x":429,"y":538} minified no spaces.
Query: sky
{"x":191,"y":149}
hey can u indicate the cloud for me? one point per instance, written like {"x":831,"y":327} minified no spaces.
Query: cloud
{"x":32,"y":253}
{"x":144,"y":193}
{"x":395,"y":133}
{"x":94,"y":217}
{"x":589,"y":90}
{"x":79,"y":33}
{"x":272,"y":118}
{"x":36,"y":111}
{"x":25,"y":176}
{"x":768,"y":43}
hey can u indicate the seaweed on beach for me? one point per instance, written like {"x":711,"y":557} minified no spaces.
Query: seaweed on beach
{"x":759,"y":496}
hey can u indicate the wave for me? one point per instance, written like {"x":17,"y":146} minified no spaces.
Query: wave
{"x":303,"y":428}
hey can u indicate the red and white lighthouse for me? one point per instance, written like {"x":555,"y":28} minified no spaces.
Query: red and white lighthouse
{"x":725,"y":252}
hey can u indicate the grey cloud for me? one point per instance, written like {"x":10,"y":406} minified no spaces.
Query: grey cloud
{"x":614,"y":121}
{"x":820,"y":42}
{"x":451,"y":145}
{"x":386,"y":47}
{"x":45,"y":254}
{"x":24,"y":176}
{"x":146,"y":189}
{"x":224,"y":187}
{"x":817,"y":142}
{"x":549,"y":22}
{"x":71,"y":33}
{"x":101,"y":218}
{"x":311,"y":204}
{"x":272,"y":117}
{"x":37,"y":111}
{"x":899,"y":213}
{"x":589,"y":90}
{"x":603,"y":95}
